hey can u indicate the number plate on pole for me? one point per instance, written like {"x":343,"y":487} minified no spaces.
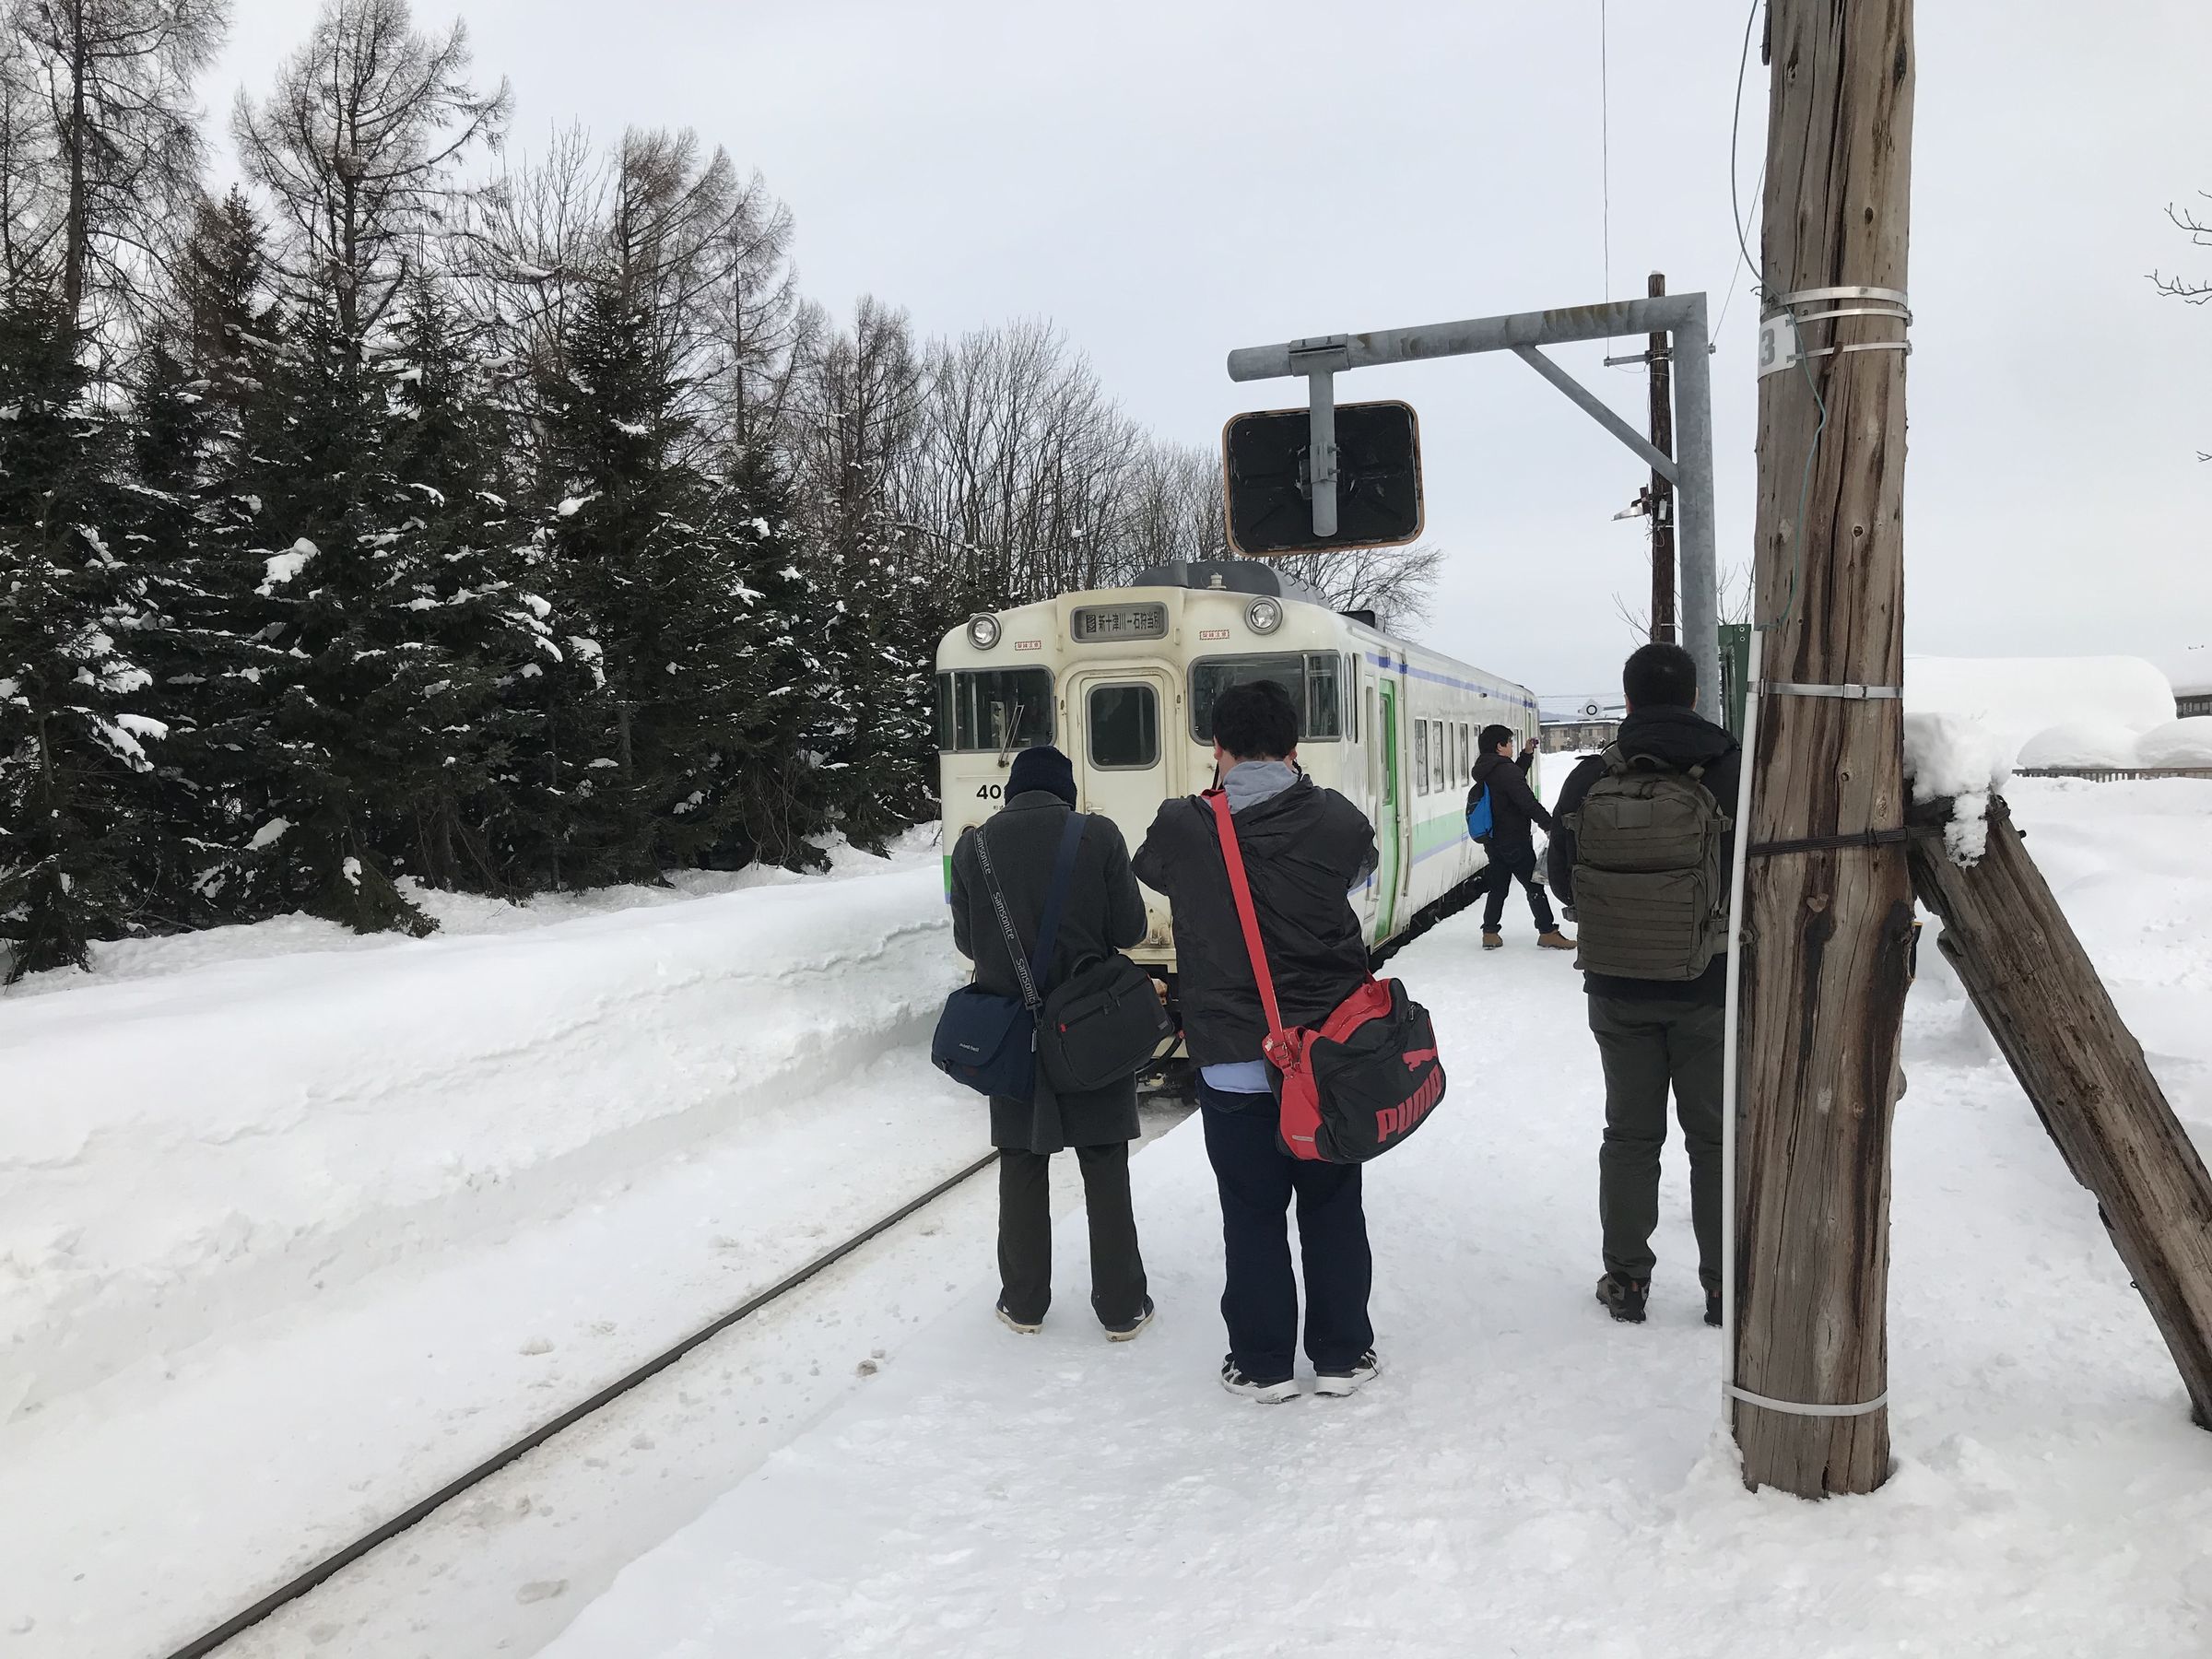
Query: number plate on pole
{"x":1777,"y":344}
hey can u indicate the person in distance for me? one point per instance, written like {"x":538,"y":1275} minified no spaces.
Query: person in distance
{"x":1304,"y":848}
{"x":1510,"y":843}
{"x":1655,"y":968}
{"x":1104,"y":911}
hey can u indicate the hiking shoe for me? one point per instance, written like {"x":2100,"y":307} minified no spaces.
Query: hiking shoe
{"x":1336,"y":1383}
{"x":1264,"y":1394}
{"x":1129,"y":1328}
{"x":1492,"y":941}
{"x":1624,"y":1299}
{"x":1712,"y":1308}
{"x":1555,"y":940}
{"x":1027,"y":1327}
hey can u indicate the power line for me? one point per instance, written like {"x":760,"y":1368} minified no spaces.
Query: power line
{"x":1736,"y":127}
{"x":1604,"y":131}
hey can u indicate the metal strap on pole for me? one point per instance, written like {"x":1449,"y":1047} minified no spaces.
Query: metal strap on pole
{"x":1799,"y":1408}
{"x":1849,"y":693}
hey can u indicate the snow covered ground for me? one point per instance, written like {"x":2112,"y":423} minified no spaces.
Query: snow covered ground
{"x":1528,"y":1478}
{"x":250,"y":1309}
{"x":292,"y":1230}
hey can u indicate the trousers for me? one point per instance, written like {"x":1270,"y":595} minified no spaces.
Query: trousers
{"x":1649,"y":1048}
{"x":1258,"y":1180}
{"x":1025,"y":1233}
{"x":1508,"y":865}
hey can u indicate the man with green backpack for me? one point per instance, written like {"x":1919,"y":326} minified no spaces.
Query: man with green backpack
{"x":1640,"y":858}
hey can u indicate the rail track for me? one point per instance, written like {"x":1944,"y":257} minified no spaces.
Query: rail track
{"x":384,"y":1532}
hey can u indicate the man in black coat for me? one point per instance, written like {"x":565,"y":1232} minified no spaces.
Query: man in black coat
{"x":1104,"y":912}
{"x":1512,"y":843}
{"x":1653,"y":1035}
{"x":1304,"y":850}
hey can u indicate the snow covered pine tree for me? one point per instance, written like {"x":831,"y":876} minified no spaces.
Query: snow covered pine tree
{"x":73,"y":806}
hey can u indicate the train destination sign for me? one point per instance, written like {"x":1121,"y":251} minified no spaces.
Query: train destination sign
{"x":1097,"y":624}
{"x":1265,"y":478}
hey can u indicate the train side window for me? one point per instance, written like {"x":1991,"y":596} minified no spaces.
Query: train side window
{"x":1124,"y":727}
{"x":1421,"y":756}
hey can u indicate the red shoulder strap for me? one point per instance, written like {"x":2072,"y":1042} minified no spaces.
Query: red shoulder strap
{"x":1233,"y":857}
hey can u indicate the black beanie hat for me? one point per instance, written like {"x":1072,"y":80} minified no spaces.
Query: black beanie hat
{"x":1043,"y":767}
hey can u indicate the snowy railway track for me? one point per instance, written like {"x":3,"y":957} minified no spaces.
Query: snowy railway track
{"x":339,"y":1559}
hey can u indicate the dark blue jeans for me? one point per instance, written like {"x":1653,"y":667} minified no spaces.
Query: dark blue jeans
{"x":1259,"y":1303}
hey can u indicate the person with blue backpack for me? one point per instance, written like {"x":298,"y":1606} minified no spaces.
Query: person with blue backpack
{"x":1057,"y":883}
{"x":1501,"y":810}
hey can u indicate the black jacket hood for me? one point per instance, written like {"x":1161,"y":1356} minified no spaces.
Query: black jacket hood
{"x":1679,"y":736}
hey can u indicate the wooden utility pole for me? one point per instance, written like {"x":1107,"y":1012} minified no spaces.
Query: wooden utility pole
{"x":1829,"y":907}
{"x":2083,"y":1071}
{"x":1660,"y":501}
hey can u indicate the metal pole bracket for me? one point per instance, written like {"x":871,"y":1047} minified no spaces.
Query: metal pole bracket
{"x":1848,"y":692}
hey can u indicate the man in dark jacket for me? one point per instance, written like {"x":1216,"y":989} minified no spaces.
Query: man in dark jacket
{"x":1304,"y":849}
{"x":1656,"y":1034}
{"x":1512,"y":843}
{"x":1104,"y":912}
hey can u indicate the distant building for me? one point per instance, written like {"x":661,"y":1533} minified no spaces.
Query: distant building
{"x":1575,"y":723}
{"x":2192,"y":700}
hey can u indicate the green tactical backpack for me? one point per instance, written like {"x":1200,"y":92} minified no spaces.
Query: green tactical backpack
{"x":1650,"y":891}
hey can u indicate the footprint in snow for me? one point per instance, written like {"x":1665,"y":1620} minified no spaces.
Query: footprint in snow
{"x":541,"y":1590}
{"x":535,"y":1346}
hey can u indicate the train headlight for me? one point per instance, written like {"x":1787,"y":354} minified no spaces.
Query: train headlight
{"x":983,"y":632}
{"x":1264,"y":615}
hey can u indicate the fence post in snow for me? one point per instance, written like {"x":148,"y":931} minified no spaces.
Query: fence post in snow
{"x":2083,"y":1070}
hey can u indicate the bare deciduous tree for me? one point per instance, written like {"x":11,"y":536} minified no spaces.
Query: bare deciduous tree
{"x":31,"y":213}
{"x":121,"y":133}
{"x":359,"y":146}
{"x":2200,"y":233}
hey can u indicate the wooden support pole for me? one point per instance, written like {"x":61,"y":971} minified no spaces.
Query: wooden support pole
{"x":1662,"y":499}
{"x":2083,"y":1072}
{"x":1827,"y":927}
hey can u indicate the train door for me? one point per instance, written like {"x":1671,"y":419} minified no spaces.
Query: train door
{"x":1124,"y":734}
{"x":1387,"y":813}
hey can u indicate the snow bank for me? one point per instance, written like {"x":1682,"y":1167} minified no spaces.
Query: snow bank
{"x":1948,"y":756}
{"x":2178,"y":742}
{"x":184,"y":1151}
{"x":2018,"y":699}
{"x":2080,"y":744}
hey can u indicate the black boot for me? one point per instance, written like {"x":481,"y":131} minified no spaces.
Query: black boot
{"x":1712,"y":1308}
{"x":1624,"y":1299}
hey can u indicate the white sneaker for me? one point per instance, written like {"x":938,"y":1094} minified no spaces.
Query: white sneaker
{"x":1337,"y":1383}
{"x":1013,"y":1323}
{"x":1264,"y":1393}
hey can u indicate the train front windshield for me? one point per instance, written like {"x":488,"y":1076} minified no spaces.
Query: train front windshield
{"x":995,"y":708}
{"x":1312,"y":679}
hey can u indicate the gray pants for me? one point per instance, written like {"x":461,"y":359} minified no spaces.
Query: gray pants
{"x":1648,"y":1047}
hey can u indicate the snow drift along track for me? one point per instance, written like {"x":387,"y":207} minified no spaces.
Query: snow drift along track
{"x":339,"y":1559}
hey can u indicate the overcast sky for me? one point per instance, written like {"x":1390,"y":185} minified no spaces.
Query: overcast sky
{"x":1168,"y":178}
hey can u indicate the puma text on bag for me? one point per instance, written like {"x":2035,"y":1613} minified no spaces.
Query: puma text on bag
{"x":1651,"y":893}
{"x":1362,"y":1080}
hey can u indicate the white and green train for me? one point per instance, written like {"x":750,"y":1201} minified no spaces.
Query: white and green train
{"x":1123,"y":681}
